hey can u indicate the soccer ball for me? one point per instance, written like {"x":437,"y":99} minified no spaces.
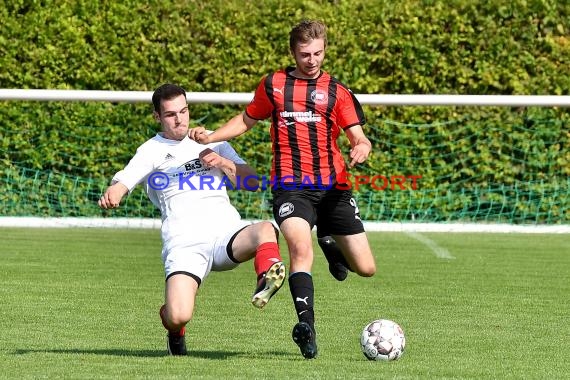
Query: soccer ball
{"x":382,"y":339}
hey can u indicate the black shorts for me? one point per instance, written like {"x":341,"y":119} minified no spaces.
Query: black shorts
{"x":333,"y":211}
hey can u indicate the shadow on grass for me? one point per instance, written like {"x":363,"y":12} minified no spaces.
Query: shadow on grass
{"x":213,"y":355}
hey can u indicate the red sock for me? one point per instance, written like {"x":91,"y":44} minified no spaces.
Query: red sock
{"x":266,"y":255}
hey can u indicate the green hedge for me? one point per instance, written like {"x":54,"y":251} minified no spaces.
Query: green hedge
{"x":463,"y":47}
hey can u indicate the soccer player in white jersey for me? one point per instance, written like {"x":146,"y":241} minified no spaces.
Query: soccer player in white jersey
{"x":201,"y":231}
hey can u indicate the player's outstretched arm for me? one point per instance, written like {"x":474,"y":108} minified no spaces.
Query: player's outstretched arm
{"x":112,"y":196}
{"x":237,"y":125}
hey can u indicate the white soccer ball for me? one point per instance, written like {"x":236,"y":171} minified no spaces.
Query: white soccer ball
{"x":382,"y":339}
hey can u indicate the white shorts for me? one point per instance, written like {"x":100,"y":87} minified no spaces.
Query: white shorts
{"x":199,"y":258}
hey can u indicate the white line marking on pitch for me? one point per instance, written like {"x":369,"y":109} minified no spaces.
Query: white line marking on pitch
{"x":440,"y":252}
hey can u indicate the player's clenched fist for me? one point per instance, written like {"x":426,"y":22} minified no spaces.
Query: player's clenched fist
{"x":199,"y":134}
{"x":211,"y":159}
{"x":112,"y":196}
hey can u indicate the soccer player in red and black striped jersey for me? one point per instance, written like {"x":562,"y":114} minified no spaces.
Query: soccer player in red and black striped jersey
{"x":308,"y":109}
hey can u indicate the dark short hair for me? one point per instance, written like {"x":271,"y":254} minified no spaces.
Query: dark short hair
{"x":166,"y":91}
{"x":306,"y":31}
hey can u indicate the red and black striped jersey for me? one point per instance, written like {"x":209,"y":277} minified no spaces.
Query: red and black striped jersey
{"x":307,"y":116}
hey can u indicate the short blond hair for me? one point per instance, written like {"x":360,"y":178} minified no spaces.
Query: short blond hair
{"x":306,"y":31}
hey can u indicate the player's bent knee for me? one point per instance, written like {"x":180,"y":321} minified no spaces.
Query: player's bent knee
{"x":367,"y":271}
{"x":264,"y":232}
{"x":268,"y":231}
{"x":300,"y":248}
{"x":179,"y":318}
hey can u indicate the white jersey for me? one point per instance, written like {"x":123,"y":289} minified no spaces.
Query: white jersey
{"x":192,"y":199}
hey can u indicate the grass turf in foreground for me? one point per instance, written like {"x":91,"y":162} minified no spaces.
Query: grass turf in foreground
{"x":83,"y":303}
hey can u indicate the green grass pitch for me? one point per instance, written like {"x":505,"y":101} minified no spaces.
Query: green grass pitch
{"x":83,"y":303}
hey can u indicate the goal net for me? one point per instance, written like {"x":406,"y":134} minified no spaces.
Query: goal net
{"x":457,"y":164}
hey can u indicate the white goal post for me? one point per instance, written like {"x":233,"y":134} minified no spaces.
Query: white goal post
{"x":245,"y":98}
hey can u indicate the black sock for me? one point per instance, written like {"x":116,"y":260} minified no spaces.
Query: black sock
{"x":302,"y":291}
{"x":332,"y":251}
